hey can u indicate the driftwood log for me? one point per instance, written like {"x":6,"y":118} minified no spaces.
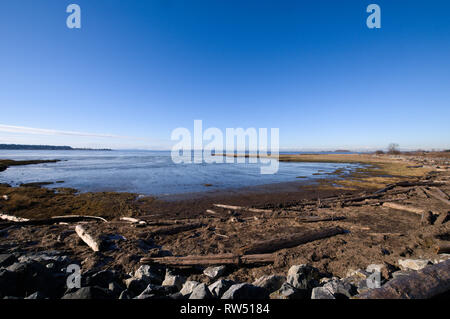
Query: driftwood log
{"x":408,"y":184}
{"x":211,"y":260}
{"x":13,"y":218}
{"x":442,"y":248}
{"x":427,"y":283}
{"x":249,"y":209}
{"x":269,"y":246}
{"x":409,"y":209}
{"x":56,"y":219}
{"x":88,"y":238}
{"x":170,"y":230}
{"x":437,"y":196}
{"x":133,"y":220}
{"x":313,"y":219}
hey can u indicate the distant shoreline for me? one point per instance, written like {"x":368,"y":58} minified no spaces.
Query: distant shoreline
{"x":12,"y":147}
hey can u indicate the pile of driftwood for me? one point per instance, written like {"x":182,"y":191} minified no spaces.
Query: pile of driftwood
{"x":257,"y":252}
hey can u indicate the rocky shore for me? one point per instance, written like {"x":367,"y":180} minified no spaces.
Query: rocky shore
{"x":389,"y":242}
{"x":49,"y":274}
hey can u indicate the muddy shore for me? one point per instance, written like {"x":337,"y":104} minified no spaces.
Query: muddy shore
{"x":375,"y":232}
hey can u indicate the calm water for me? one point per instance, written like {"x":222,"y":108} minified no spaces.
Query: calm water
{"x":148,"y":172}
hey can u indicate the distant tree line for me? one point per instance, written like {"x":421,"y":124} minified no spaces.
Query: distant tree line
{"x":45,"y":147}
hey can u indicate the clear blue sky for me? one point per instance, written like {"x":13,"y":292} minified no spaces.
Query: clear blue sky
{"x":139,"y":69}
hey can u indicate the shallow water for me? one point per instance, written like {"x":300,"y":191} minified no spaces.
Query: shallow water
{"x":150,"y":172}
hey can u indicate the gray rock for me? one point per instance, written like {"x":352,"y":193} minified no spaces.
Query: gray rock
{"x":34,"y":276}
{"x":218,"y":288}
{"x":321,"y":293}
{"x":400,"y":273}
{"x":173,"y":280}
{"x":271,"y":283}
{"x":89,"y":293}
{"x":214,"y":272}
{"x":413,"y":264}
{"x":36,"y":295}
{"x":177,"y":296}
{"x":125,"y":295}
{"x":148,"y":274}
{"x":8,"y":286}
{"x":375,"y":267}
{"x":7,"y":260}
{"x":303,"y":277}
{"x":101,"y":278}
{"x":188,"y":287}
{"x":115,"y":288}
{"x":46,"y":257}
{"x":341,"y":289}
{"x":135,"y":286}
{"x":287,"y":291}
{"x":159,"y":290}
{"x":201,"y":292}
{"x":245,"y":291}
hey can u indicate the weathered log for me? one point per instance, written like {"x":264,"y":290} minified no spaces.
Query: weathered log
{"x":313,"y":219}
{"x":249,"y":209}
{"x":440,"y":192}
{"x":346,"y":200}
{"x":409,"y":209}
{"x":442,"y":248}
{"x":442,"y":218}
{"x":170,"y":230}
{"x":427,"y":283}
{"x":13,"y":218}
{"x":56,"y":219}
{"x":87,"y":238}
{"x":436,"y":196}
{"x":133,"y":220}
{"x":269,"y":246}
{"x":407,"y":184}
{"x":210,"y":260}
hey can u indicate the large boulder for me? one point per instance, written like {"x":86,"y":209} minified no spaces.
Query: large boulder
{"x":413,"y":264}
{"x":321,"y":293}
{"x":153,"y":291}
{"x":341,"y":289}
{"x":89,"y":293}
{"x":201,"y":291}
{"x":8,"y":283}
{"x":188,"y":287}
{"x":135,"y":286}
{"x":101,"y":279}
{"x":287,"y":291}
{"x":214,"y":272}
{"x":271,"y":283}
{"x":219,"y":287}
{"x":7,"y":260}
{"x":31,"y":276}
{"x":172,"y":279}
{"x":149,"y":274}
{"x":303,"y":277}
{"x":245,"y":291}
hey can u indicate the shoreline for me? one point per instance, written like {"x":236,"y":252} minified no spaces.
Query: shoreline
{"x":374,"y":232}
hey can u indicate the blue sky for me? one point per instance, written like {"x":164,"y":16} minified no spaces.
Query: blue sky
{"x":139,"y":69}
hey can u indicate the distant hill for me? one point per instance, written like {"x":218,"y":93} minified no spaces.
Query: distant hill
{"x":46,"y":147}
